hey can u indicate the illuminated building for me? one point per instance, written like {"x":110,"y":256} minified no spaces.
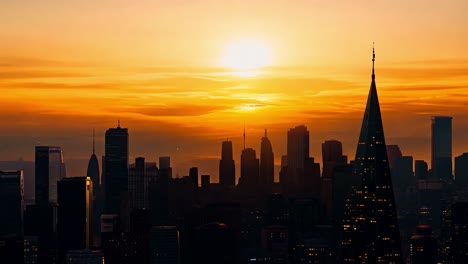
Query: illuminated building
{"x":370,"y":227}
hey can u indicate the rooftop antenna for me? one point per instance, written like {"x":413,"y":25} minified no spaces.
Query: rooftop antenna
{"x":373,"y":60}
{"x":118,"y":123}
{"x":94,"y":141}
{"x":244,"y":135}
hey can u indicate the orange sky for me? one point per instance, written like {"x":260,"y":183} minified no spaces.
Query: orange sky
{"x":67,"y":67}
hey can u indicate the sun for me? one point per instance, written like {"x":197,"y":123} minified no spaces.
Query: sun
{"x":246,"y":55}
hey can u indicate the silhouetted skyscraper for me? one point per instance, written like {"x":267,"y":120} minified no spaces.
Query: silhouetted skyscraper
{"x":393,"y":153}
{"x":193,"y":174}
{"x":139,"y":176}
{"x":332,"y":155}
{"x":93,"y":168}
{"x":267,"y":163}
{"x":298,"y":153}
{"x":370,"y":226}
{"x":11,"y":203}
{"x":461,"y":170}
{"x":227,"y":169}
{"x":116,"y":168}
{"x":49,"y":170}
{"x":441,"y":147}
{"x":249,"y":178}
{"x":75,"y":213}
{"x":164,"y":245}
{"x":420,"y":169}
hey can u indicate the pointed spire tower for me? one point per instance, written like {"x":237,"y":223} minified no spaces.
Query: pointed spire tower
{"x":370,"y":230}
{"x":93,"y":165}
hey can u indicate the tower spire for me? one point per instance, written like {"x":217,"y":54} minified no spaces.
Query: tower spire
{"x":244,"y":135}
{"x":94,"y":141}
{"x":118,"y":123}
{"x":373,"y":60}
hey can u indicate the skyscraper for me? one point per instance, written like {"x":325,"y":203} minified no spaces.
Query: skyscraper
{"x":75,"y":213}
{"x":116,"y":168}
{"x":459,"y":232}
{"x":370,"y":226}
{"x":227,"y":169}
{"x":139,"y":176}
{"x":249,"y":178}
{"x":298,"y":153}
{"x":441,"y":148}
{"x":11,"y":203}
{"x":267,"y":165}
{"x":193,"y":174}
{"x":332,"y":155}
{"x":461,"y":170}
{"x":49,"y":170}
{"x":420,"y":169}
{"x":93,"y":167}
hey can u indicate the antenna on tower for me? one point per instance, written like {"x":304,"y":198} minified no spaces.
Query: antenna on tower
{"x":118,"y":123}
{"x":373,"y":60}
{"x":94,"y":141}
{"x":244,"y":135}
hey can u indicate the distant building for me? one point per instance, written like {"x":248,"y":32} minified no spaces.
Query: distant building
{"x":275,"y":243}
{"x":205,"y":182}
{"x":393,"y":153}
{"x":420,"y":170}
{"x":115,"y":168}
{"x":11,"y":203}
{"x":214,"y":243}
{"x":332,"y":155}
{"x":49,"y":170}
{"x":441,"y":147}
{"x":249,"y":179}
{"x":193,"y":174}
{"x":267,"y":166}
{"x":402,"y":172}
{"x":140,"y":175}
{"x":75,"y":213}
{"x":461,"y":170}
{"x":423,"y":246}
{"x":227,"y":169}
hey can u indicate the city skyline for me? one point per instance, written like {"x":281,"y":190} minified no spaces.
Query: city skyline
{"x":127,"y":73}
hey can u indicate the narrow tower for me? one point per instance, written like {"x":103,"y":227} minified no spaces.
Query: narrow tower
{"x":370,"y":227}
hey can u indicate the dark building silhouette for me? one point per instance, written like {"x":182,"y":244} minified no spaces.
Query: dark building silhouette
{"x":441,"y":148}
{"x":115,"y":168}
{"x":402,"y":172}
{"x":371,"y":232}
{"x":11,"y":203}
{"x":275,"y":243}
{"x":459,"y":232}
{"x":249,"y":178}
{"x":420,"y":169}
{"x":93,"y":168}
{"x":227,"y":169}
{"x":98,"y":195}
{"x":85,"y":257}
{"x":332,"y":156}
{"x":205,"y":182}
{"x":49,"y":170}
{"x":393,"y":153}
{"x":165,"y":165}
{"x":193,"y":174}
{"x":423,"y":246}
{"x":267,"y":163}
{"x":75,"y":214}
{"x":40,"y":221}
{"x":140,"y":175}
{"x":461,"y":170}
